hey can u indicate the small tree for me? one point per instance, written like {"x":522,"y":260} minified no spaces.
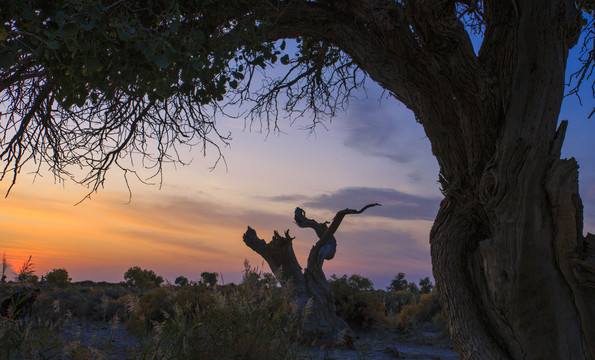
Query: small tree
{"x":399,"y":283}
{"x":361,"y":283}
{"x":412,"y":288}
{"x":181,"y":281}
{"x":355,"y":300}
{"x":25,"y":273}
{"x":425,"y":285}
{"x":209,"y":278}
{"x":354,"y":282}
{"x":142,"y":278}
{"x":58,"y":277}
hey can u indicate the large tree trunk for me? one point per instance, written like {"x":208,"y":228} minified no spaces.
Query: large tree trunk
{"x":322,"y":325}
{"x":518,"y":283}
{"x":514,"y":272}
{"x":513,"y":269}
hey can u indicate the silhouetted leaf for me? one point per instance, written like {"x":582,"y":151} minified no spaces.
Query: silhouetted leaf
{"x":285,"y":59}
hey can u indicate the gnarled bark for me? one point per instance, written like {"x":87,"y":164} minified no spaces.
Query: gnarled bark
{"x":514,"y":272}
{"x":507,"y":245}
{"x":313,"y":293}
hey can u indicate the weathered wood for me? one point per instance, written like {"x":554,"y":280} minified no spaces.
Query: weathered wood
{"x":279,"y":254}
{"x":314,"y":296}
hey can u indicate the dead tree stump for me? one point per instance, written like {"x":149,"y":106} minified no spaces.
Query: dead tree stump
{"x":314,"y":296}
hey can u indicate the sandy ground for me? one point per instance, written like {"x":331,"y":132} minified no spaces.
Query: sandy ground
{"x":117,"y":343}
{"x":385,"y":344}
{"x":112,"y":340}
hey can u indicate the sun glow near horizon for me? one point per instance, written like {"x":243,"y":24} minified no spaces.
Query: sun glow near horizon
{"x":175,"y":234}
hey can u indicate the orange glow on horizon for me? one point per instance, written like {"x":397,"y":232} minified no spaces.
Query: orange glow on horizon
{"x":105,"y":233}
{"x":185,"y":231}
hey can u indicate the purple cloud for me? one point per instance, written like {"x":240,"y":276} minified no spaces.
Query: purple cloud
{"x":395,"y":204}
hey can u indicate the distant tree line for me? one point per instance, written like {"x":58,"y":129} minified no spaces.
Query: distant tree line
{"x":25,"y":274}
{"x":399,"y":283}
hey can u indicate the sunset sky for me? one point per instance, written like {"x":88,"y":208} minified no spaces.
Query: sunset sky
{"x":374,"y":152}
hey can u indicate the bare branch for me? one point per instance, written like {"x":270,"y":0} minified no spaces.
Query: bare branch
{"x":587,"y":61}
{"x":326,"y":246}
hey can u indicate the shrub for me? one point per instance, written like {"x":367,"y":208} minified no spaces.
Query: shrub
{"x":441,"y":323}
{"x":209,"y":278}
{"x":22,"y":340}
{"x":356,"y":302}
{"x":398,"y":283}
{"x":255,"y":278}
{"x":157,"y":305}
{"x":427,"y":308}
{"x":242,"y":325}
{"x":58,"y":277}
{"x":181,"y":281}
{"x":395,"y":300}
{"x":142,"y":278}
{"x":152,"y":307}
{"x":425,"y":285}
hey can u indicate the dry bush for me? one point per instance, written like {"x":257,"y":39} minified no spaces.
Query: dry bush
{"x":357,"y":303}
{"x":248,"y":322}
{"x":395,"y":300}
{"x":427,"y":308}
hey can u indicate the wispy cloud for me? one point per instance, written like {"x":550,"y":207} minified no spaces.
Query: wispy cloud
{"x":387,"y":131}
{"x":395,"y":204}
{"x":177,"y":234}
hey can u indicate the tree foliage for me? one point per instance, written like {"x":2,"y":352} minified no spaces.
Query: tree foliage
{"x":142,"y":278}
{"x":86,"y":82}
{"x":425,"y":285}
{"x":354,"y":282}
{"x":399,"y":283}
{"x":58,"y":277}
{"x":209,"y":278}
{"x":181,"y":281}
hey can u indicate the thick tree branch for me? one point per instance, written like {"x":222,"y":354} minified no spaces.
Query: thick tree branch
{"x":280,"y":256}
{"x":326,"y":246}
{"x":278,"y":252}
{"x":330,"y":232}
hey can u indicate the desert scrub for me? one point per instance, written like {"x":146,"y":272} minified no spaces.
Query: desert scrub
{"x":64,"y":338}
{"x":20,"y":339}
{"x":357,"y":302}
{"x":91,"y":303}
{"x":427,"y":308}
{"x":156,"y":305}
{"x":247,"y":322}
{"x":395,"y":300}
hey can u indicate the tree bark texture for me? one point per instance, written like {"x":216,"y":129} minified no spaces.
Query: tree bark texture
{"x":314,"y":296}
{"x":513,"y":269}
